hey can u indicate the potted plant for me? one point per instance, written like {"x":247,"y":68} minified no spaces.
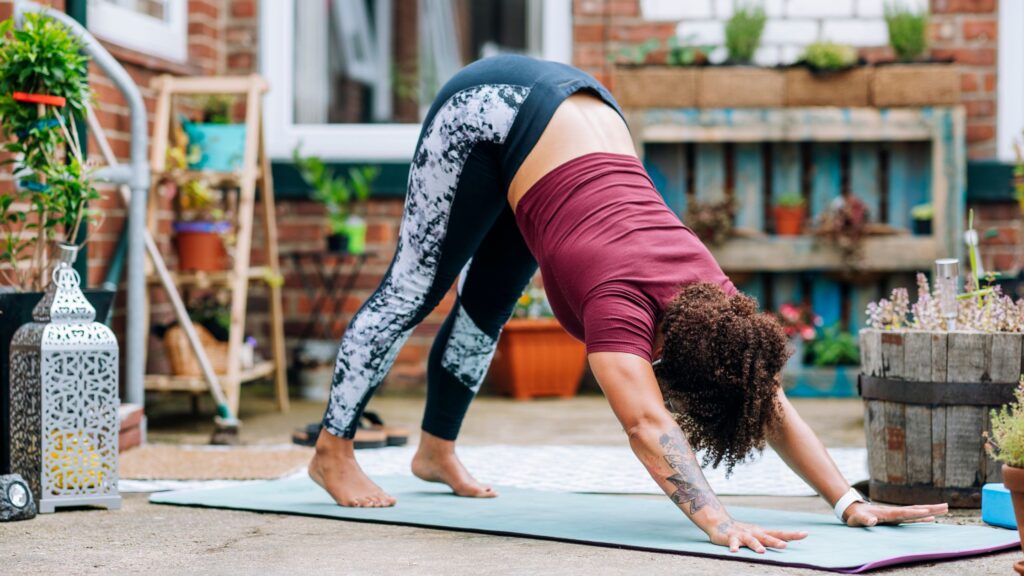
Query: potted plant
{"x":740,"y":84}
{"x":790,"y":211}
{"x":637,"y":84}
{"x":1006,"y":445}
{"x":800,"y":324}
{"x":920,"y":372}
{"x":43,"y":90}
{"x":201,"y":229}
{"x":535,"y":355}
{"x":344,"y":197}
{"x":844,"y":225}
{"x":217,"y":143}
{"x":711,"y":221}
{"x":921,"y":219}
{"x":828,"y":358}
{"x":828,"y":75}
{"x":912,"y":80}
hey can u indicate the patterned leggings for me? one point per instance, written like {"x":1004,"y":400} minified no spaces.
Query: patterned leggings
{"x":456,"y":221}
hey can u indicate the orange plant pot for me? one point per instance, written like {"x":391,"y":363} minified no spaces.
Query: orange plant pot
{"x":1013,"y":479}
{"x":201,"y":246}
{"x":537,"y":357}
{"x":789,"y":220}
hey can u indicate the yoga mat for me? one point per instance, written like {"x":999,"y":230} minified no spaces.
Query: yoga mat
{"x":616,"y":521}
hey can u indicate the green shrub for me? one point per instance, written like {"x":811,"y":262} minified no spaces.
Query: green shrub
{"x":830,"y":56}
{"x":790,"y":200}
{"x":922,"y":212}
{"x":743,"y":32}
{"x":1006,"y":441}
{"x":908,"y":30}
{"x":341,"y":195}
{"x":835,"y":347}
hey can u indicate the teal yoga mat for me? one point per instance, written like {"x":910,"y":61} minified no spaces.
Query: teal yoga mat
{"x":617,"y":521}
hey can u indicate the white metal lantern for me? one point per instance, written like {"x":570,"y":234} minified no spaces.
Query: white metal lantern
{"x":64,"y":399}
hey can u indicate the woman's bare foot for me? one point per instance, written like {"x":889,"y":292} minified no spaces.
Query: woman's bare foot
{"x":435,"y":461}
{"x":335,"y":469}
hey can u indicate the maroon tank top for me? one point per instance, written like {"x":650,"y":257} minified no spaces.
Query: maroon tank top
{"x":611,"y":253}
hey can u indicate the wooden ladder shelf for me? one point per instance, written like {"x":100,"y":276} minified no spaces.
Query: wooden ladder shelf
{"x":254,"y":172}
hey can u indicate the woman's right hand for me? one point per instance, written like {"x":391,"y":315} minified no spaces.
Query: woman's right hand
{"x":737,"y":535}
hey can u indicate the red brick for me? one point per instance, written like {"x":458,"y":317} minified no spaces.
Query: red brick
{"x":990,"y":82}
{"x":240,"y":61}
{"x":243,"y":8}
{"x":980,"y":30}
{"x":588,"y":56}
{"x":413,"y":354}
{"x":380,"y":233}
{"x":1002,"y":211}
{"x":639,"y":33}
{"x":588,"y":7}
{"x":205,"y":7}
{"x":980,"y":132}
{"x":961,"y":6}
{"x":970,"y":56}
{"x":584,"y":33}
{"x":1003,"y":261}
{"x":968,"y":82}
{"x":979,"y":108}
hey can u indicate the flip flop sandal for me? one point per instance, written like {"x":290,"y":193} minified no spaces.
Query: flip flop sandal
{"x":396,"y":435}
{"x":364,"y":438}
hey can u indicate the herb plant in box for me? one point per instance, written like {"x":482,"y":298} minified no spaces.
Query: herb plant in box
{"x":828,"y":75}
{"x":637,"y":83}
{"x":535,"y":355}
{"x":1006,"y":445}
{"x":43,"y":90}
{"x":739,"y":83}
{"x":912,"y":80}
{"x":790,"y":211}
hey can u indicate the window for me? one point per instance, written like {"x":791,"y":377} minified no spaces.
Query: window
{"x":351,"y":79}
{"x":157,"y":27}
{"x":1010,"y":98}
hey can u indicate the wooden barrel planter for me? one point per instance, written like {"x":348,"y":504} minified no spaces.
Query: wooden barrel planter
{"x":927,"y":398}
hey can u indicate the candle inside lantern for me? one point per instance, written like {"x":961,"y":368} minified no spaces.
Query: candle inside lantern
{"x":74,"y":461}
{"x":947,"y":273}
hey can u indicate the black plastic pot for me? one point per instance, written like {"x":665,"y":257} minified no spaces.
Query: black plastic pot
{"x":337,"y":243}
{"x":922,"y":227}
{"x":16,"y":310}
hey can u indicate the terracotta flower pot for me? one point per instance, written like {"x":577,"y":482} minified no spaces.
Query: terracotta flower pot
{"x":537,"y":357}
{"x":789,"y":220}
{"x":1013,"y":479}
{"x":201,"y":245}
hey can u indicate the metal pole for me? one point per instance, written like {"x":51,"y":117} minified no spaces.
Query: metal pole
{"x":138,"y":182}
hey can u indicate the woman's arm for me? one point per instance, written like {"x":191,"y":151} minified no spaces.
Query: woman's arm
{"x":801,"y":449}
{"x":632,"y":390}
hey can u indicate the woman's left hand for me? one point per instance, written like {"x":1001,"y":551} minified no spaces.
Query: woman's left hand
{"x":861,"y":514}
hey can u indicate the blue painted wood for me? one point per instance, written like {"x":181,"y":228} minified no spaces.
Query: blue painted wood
{"x":825,"y":185}
{"x":864,"y":176}
{"x":909,"y":180}
{"x":785,"y":169}
{"x":754,"y":287}
{"x":860,"y":296}
{"x":666,"y":165}
{"x":749,"y":191}
{"x":786,"y":289}
{"x":710,"y":172}
{"x":826,"y":299}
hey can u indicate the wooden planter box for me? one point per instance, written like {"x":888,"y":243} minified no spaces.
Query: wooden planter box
{"x":740,"y":87}
{"x":915,"y":85}
{"x":655,"y":86}
{"x":849,"y":88}
{"x":927,"y":397}
{"x":537,"y":358}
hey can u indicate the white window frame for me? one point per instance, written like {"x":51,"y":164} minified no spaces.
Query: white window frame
{"x":1010,"y":79}
{"x":166,"y":39}
{"x":356,"y":142}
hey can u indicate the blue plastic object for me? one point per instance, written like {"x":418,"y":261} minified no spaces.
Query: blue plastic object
{"x":996,"y":507}
{"x":221,"y":145}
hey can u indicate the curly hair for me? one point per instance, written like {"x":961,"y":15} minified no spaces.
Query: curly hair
{"x":718,"y":371}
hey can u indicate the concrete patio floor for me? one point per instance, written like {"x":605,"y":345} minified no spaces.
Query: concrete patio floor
{"x":144,"y":538}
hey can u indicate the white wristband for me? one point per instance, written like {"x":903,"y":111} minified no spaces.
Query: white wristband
{"x":849,"y":498}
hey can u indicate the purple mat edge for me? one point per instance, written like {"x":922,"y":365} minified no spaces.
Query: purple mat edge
{"x":913,"y":558}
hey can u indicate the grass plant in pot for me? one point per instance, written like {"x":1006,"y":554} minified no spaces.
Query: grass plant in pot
{"x":828,"y":74}
{"x":740,"y":84}
{"x":912,"y":80}
{"x":345,"y":198}
{"x":790,"y":211}
{"x":1006,"y":444}
{"x":535,"y":355}
{"x":43,"y":90}
{"x":921,"y":219}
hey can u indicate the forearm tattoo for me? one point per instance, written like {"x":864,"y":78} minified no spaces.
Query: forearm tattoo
{"x":690,"y":485}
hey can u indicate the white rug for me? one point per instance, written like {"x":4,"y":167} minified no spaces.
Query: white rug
{"x":608,"y":469}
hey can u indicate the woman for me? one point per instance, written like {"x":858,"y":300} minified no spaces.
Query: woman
{"x":521,"y":159}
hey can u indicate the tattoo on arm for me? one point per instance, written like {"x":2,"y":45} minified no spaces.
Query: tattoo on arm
{"x":690,"y":485}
